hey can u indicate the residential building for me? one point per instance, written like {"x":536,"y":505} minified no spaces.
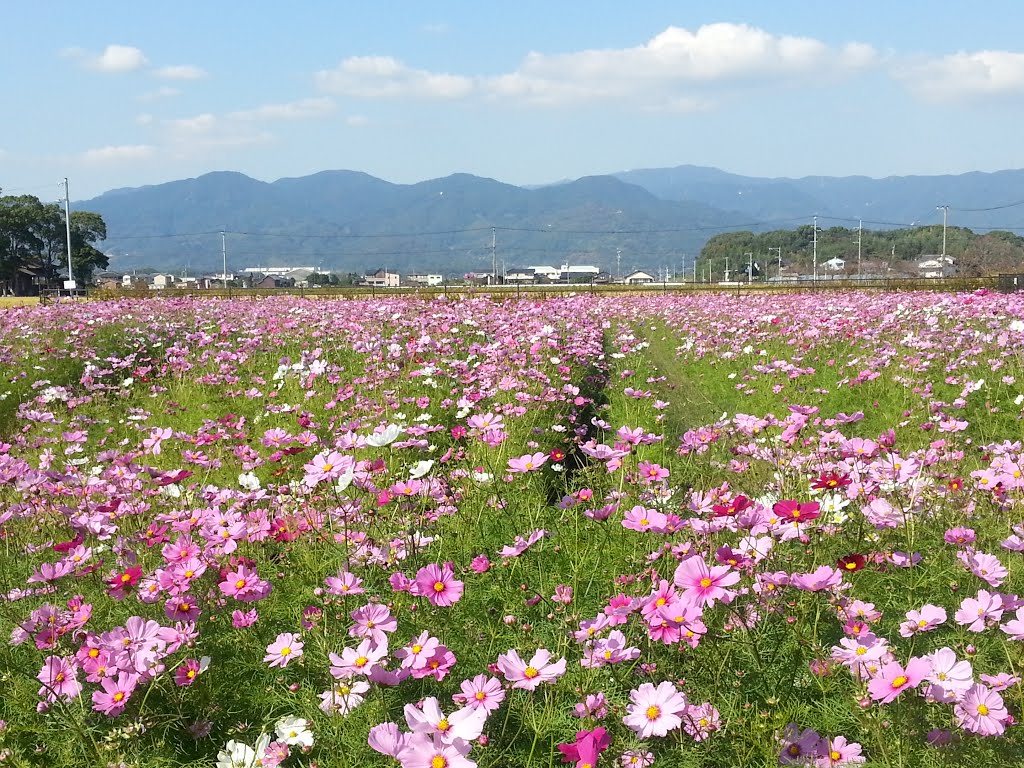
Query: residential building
{"x":424,"y":279}
{"x":638,"y":278}
{"x":381,"y":278}
{"x":936,"y":266}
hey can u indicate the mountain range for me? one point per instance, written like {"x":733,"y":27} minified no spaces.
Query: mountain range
{"x":352,"y":222}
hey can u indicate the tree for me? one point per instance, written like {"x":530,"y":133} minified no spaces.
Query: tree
{"x":86,"y":229}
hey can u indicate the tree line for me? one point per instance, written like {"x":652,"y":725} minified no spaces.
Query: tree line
{"x":33,"y":244}
{"x":896,"y":250}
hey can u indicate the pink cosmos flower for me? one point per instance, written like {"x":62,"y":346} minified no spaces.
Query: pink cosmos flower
{"x":244,"y":585}
{"x":985,"y":566}
{"x":419,"y":650}
{"x":373,"y":621}
{"x":654,"y":711}
{"x":286,"y":647}
{"x":529,"y":676}
{"x":1015,"y":627}
{"x":635,"y":758}
{"x":704,"y":585}
{"x":465,"y":724}
{"x":701,"y":720}
{"x":975,"y":612}
{"x":243,"y":619}
{"x":838,"y":753}
{"x":820,"y":579}
{"x":327,"y":466}
{"x":893,"y":679}
{"x":594,"y":706}
{"x":482,"y":692}
{"x":344,"y":583}
{"x":952,"y":676}
{"x":387,"y":739}
{"x":651,"y":473}
{"x":924,"y":620}
{"x":357,"y":661}
{"x":480,"y":564}
{"x":563,"y":594}
{"x":438,"y":584}
{"x":422,"y":751}
{"x":59,"y":677}
{"x":113,"y":697}
{"x":527,"y":462}
{"x":641,"y":519}
{"x":982,"y":711}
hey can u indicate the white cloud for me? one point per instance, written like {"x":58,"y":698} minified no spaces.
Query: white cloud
{"x":676,"y":66}
{"x":163,"y":92}
{"x":203,"y":123}
{"x":357,"y":121}
{"x":301,"y":109}
{"x":440,"y":28}
{"x":114,"y":59}
{"x":180,"y":72}
{"x":385,"y":76}
{"x":965,"y":75}
{"x":144,"y":119}
{"x":120,"y":153}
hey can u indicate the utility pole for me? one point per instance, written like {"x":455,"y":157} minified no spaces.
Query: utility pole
{"x":727,"y":269}
{"x":943,"y":208}
{"x":70,"y":285}
{"x":224,"y":254}
{"x":618,"y":264}
{"x":814,"y":275}
{"x":860,"y":238}
{"x":779,"y":249}
{"x":695,"y":269}
{"x":494,"y":257}
{"x":750,"y":267}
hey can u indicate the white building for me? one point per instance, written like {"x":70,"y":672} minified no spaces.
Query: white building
{"x":163,"y":281}
{"x":937,"y":266}
{"x":423,"y":279}
{"x":638,"y":278}
{"x":278,"y":271}
{"x":834,"y":265}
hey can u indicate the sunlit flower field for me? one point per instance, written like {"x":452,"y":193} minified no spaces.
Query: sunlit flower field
{"x":592,"y":531}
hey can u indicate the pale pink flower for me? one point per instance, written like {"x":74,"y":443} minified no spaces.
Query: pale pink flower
{"x":539,"y":670}
{"x":285,"y":648}
{"x":654,"y":711}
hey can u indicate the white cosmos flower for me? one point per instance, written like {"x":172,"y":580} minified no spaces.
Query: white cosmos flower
{"x":294,"y":731}
{"x":239,"y":755}
{"x":345,"y":480}
{"x":422,"y":468}
{"x":249,"y":481}
{"x":388,"y":436}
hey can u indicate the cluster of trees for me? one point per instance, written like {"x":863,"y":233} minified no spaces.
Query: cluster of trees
{"x":33,"y":243}
{"x":896,"y":250}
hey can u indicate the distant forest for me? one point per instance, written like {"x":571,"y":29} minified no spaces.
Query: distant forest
{"x":890,"y":251}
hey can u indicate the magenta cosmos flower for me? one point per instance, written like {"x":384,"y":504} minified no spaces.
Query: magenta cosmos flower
{"x":838,"y":752}
{"x":894,"y":679}
{"x":482,"y":692}
{"x":586,"y":749}
{"x":59,"y":677}
{"x":529,"y":676}
{"x":285,"y":648}
{"x":655,"y":711}
{"x":703,"y":584}
{"x":438,"y":584}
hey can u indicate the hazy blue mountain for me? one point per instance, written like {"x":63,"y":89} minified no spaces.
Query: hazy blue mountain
{"x":897,"y":199}
{"x":351,"y":221}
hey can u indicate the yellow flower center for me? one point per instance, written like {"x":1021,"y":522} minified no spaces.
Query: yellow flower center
{"x":899,"y":681}
{"x":442,"y":725}
{"x":530,"y":673}
{"x":438,"y":762}
{"x":94,"y":652}
{"x":982,"y":709}
{"x":705,"y":583}
{"x":361,"y":661}
{"x":285,"y":651}
{"x":439,"y":586}
{"x":417,"y":648}
{"x":480,"y":695}
{"x":240,"y":583}
{"x":653,"y":713}
{"x":833,"y":755}
{"x":328,"y":467}
{"x":922,"y":623}
{"x":118,"y":696}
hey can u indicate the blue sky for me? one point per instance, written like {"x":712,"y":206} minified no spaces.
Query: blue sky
{"x":117,"y":94}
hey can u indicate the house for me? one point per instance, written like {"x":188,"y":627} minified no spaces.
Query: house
{"x":542,"y":274}
{"x":936,"y":266}
{"x":834,"y":265}
{"x":520,"y":276}
{"x":424,"y":279}
{"x":638,"y":278}
{"x":160,"y":282}
{"x":381,"y":278}
{"x":271,"y":281}
{"x":580,"y":273}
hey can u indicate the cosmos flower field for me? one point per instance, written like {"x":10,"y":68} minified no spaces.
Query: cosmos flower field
{"x":588,"y":531}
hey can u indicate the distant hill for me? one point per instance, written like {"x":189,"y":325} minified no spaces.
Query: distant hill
{"x":897,"y":199}
{"x":351,"y":222}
